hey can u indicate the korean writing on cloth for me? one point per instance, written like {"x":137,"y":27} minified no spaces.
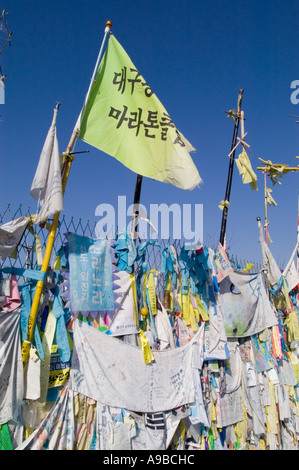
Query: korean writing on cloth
{"x":11,"y":368}
{"x":11,"y":234}
{"x":57,"y":430}
{"x":223,"y":264}
{"x":114,"y":373}
{"x":125,"y":317}
{"x":125,"y":119}
{"x":245,"y":305}
{"x":90,"y":274}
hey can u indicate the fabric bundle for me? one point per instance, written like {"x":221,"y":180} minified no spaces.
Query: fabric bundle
{"x":194,"y":355}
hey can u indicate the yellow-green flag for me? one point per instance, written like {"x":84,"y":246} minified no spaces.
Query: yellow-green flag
{"x":124,"y":118}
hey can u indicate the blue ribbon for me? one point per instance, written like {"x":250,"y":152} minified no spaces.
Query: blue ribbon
{"x":275,"y":292}
{"x":126,"y":252}
{"x":34,"y":274}
{"x":167,"y":265}
{"x":27,"y":293}
{"x":61,"y":332}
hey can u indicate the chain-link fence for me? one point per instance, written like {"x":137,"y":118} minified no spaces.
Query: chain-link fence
{"x":25,"y":256}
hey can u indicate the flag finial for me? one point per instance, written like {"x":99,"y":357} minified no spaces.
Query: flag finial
{"x":109,"y":24}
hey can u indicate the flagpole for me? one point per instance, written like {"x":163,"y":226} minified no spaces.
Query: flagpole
{"x":136,"y":203}
{"x":266,"y":208}
{"x":298,"y":235}
{"x":68,"y":159}
{"x":230,"y":169}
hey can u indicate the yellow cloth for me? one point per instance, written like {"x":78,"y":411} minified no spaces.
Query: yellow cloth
{"x":56,"y":265}
{"x":248,"y":267}
{"x":291,"y":322}
{"x":147,"y":352}
{"x":202,"y":311}
{"x":269,"y":198}
{"x":223,"y":204}
{"x":245,"y":169}
{"x":151,"y":290}
{"x":38,"y":250}
{"x":133,"y":285}
{"x":277,"y":170}
{"x":47,"y":341}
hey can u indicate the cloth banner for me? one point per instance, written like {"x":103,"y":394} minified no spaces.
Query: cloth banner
{"x":56,"y":431}
{"x":224,"y":267}
{"x":10,"y":235}
{"x":125,"y":119}
{"x":11,"y":367}
{"x":290,"y":272}
{"x":114,"y":373}
{"x":245,"y":305}
{"x":215,"y":334}
{"x":269,"y":264}
{"x":46,"y":186}
{"x":12,"y":300}
{"x":91,"y":287}
{"x":125,"y":320}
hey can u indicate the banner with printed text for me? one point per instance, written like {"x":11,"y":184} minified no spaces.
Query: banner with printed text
{"x":124,"y":118}
{"x":90,"y":274}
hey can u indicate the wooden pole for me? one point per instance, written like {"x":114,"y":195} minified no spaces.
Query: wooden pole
{"x":230,"y":169}
{"x":68,"y":158}
{"x":266,"y":208}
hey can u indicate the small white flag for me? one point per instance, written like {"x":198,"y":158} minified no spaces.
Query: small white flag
{"x":46,"y":186}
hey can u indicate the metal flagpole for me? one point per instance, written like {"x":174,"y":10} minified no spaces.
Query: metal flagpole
{"x":230,"y":169}
{"x":68,"y":158}
{"x":136,"y":203}
{"x":297,"y":264}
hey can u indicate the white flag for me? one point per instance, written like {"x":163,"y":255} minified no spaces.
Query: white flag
{"x":11,"y":234}
{"x":46,"y":186}
{"x":290,"y":272}
{"x":269,"y":263}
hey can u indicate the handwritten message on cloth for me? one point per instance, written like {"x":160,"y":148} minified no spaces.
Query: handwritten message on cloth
{"x":114,"y":373}
{"x":11,"y":367}
{"x":125,"y":317}
{"x":245,"y":305}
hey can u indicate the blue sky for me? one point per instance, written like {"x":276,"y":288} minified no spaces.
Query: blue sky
{"x":195,"y":56}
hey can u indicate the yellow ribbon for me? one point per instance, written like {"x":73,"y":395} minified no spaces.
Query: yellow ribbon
{"x":47,"y":341}
{"x":277,"y":170}
{"x":291,"y":322}
{"x":245,"y":169}
{"x":192,"y":314}
{"x":151,"y":290}
{"x":146,"y":349}
{"x":185,"y":309}
{"x":269,"y":198}
{"x":38,"y":250}
{"x":202,"y":311}
{"x":37,"y":244}
{"x":231,"y":114}
{"x":56,"y":264}
{"x":133,"y":286}
{"x":144,"y":289}
{"x":223,"y":204}
{"x":248,"y":267}
{"x":168,"y":286}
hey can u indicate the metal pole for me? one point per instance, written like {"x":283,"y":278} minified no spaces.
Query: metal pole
{"x":136,"y":205}
{"x":230,"y":169}
{"x":50,"y":242}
